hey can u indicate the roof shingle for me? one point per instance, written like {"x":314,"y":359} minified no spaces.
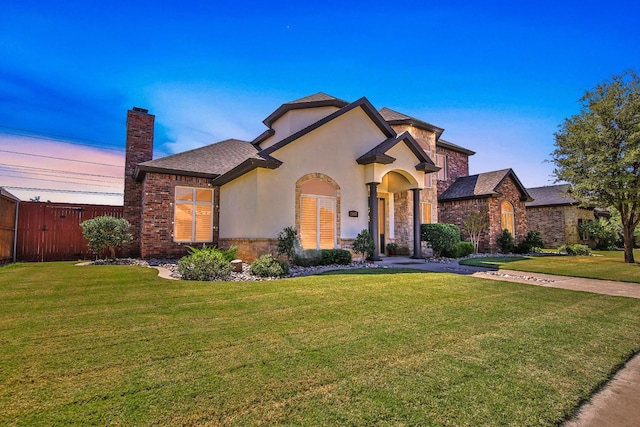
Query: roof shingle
{"x":551,"y":195}
{"x":480,"y":185}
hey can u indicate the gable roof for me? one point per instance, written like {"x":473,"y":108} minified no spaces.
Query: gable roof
{"x":552,"y":195}
{"x":454,"y":147}
{"x":5,"y":193}
{"x":319,"y":99}
{"x":395,"y":118}
{"x":378,"y":154}
{"x":360,"y":103}
{"x":482,"y":185}
{"x":209,"y":161}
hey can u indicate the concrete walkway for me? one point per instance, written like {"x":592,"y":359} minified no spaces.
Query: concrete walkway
{"x":618,"y":403}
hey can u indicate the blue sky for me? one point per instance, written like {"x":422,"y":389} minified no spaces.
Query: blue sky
{"x":499,"y":77}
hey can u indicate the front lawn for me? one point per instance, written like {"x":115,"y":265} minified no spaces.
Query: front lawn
{"x":117,"y":345}
{"x":607,"y":265}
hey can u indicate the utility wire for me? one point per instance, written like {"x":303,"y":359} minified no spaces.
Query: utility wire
{"x":54,"y":137}
{"x":82,"y":180}
{"x":60,"y":158}
{"x":63,"y":182}
{"x":29,"y":168}
{"x":50,"y":190}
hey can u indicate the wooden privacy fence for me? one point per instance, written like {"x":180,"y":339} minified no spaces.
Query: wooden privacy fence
{"x":51,"y":231}
{"x":8,"y":208}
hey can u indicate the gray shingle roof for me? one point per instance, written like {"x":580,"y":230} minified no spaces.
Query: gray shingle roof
{"x":208,"y":161}
{"x":455,"y":147}
{"x":551,"y":195}
{"x":378,"y":154}
{"x":481,"y":185}
{"x":319,"y":99}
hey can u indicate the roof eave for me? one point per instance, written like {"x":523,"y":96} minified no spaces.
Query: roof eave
{"x":282,"y":110}
{"x":141,"y":171}
{"x":245,"y":167}
{"x":427,"y":167}
{"x":375,"y":158}
{"x":453,"y":147}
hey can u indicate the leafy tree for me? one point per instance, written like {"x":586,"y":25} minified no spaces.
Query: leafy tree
{"x":506,"y":242}
{"x":106,"y":232}
{"x":288,"y":243}
{"x":598,"y":151}
{"x":364,"y":244}
{"x":475,"y":223}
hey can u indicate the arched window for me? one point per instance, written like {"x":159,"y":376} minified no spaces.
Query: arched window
{"x":317,"y":215}
{"x":507,"y":217}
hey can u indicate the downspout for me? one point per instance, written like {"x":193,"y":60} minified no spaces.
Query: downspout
{"x":15,"y":233}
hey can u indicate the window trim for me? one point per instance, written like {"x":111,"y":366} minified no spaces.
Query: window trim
{"x":511,"y":214}
{"x":334,"y":204}
{"x":193,"y":203}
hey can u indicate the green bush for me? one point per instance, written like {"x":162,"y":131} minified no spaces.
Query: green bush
{"x":312,"y":257}
{"x":462,"y":250}
{"x":106,"y":232}
{"x":506,"y":242}
{"x":576,"y":249}
{"x":443,"y":238}
{"x":230,"y":254}
{"x":205,"y":264}
{"x":335,"y":256}
{"x":307,"y":258}
{"x":606,"y":234}
{"x":364,"y":244}
{"x":288,"y":242}
{"x":268,"y":266}
{"x":532,"y":244}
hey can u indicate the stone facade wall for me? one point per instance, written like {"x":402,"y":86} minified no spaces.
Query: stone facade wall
{"x":454,"y":212}
{"x":403,"y":219}
{"x":558,"y":225}
{"x":457,"y":166}
{"x":156,"y":237}
{"x":139,"y":148}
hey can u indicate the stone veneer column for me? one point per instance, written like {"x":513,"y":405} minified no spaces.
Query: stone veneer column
{"x":139,"y":148}
{"x":417,"y":248}
{"x":373,"y":219}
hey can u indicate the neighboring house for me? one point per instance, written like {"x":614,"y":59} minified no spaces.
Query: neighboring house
{"x":556,"y":214}
{"x":325,"y":166}
{"x":499,"y":193}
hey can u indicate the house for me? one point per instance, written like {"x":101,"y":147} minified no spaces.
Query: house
{"x":499,"y":194}
{"x":556,"y":214}
{"x":328,"y":167}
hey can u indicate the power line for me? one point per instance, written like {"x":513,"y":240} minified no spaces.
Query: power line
{"x":28,"y":168}
{"x":50,"y":190}
{"x":65,"y":182}
{"x":30,"y":132}
{"x":60,"y":158}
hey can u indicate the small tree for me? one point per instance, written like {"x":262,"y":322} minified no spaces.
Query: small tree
{"x":288,"y":243}
{"x":106,"y":232}
{"x":364,"y":244}
{"x":475,"y":223}
{"x":443,"y":238}
{"x":506,"y":242}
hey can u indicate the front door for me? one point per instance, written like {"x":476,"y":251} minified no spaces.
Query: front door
{"x":382,"y":220}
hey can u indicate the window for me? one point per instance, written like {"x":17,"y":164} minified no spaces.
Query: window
{"x":317,"y":215}
{"x":428,"y":180}
{"x":441,"y":161}
{"x":426,"y":213}
{"x":193,"y":220}
{"x":507,"y":217}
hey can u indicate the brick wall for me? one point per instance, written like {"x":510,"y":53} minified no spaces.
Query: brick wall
{"x":558,"y":225}
{"x":139,"y":148}
{"x":454,"y":212}
{"x":156,"y":237}
{"x":457,"y":166}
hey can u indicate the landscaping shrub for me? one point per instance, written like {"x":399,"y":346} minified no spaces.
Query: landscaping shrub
{"x":607,"y":234}
{"x":364,"y":244}
{"x":307,"y":258}
{"x":576,"y":249}
{"x":230,"y":254}
{"x":268,"y":266}
{"x":461,"y":250}
{"x":335,"y":256}
{"x":106,"y":232}
{"x":532,"y":244}
{"x":288,"y":243}
{"x":443,"y":238}
{"x":505,"y":242}
{"x":205,"y":264}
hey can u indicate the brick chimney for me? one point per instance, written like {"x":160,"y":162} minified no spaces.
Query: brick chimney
{"x":139,"y":148}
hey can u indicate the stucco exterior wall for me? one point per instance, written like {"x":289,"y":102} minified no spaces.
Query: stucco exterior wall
{"x":295,"y":120}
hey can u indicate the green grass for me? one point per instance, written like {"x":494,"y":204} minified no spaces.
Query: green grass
{"x":608,"y":265}
{"x":117,"y":345}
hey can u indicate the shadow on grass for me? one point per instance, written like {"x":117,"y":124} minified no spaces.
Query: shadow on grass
{"x":372,"y":271}
{"x":492,"y":262}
